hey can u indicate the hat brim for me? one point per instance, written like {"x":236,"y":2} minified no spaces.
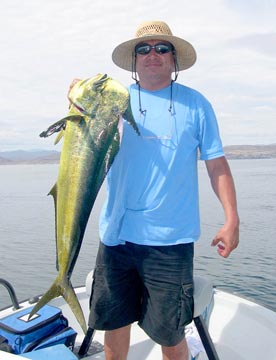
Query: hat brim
{"x":185,"y":52}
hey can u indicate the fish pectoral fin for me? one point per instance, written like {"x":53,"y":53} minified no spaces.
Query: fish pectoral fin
{"x":56,"y":127}
{"x":59,"y":125}
{"x":128,"y":116}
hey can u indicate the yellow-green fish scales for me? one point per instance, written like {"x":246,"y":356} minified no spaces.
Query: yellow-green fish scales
{"x":91,"y":141}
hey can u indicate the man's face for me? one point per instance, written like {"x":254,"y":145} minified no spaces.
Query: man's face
{"x":154,"y":66}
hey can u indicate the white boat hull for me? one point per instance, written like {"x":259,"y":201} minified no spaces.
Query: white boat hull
{"x":240,"y":330}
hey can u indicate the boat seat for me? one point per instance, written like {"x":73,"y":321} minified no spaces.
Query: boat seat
{"x":88,"y":282}
{"x":203,"y":293}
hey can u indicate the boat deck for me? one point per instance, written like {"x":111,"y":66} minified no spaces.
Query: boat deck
{"x":240,"y":330}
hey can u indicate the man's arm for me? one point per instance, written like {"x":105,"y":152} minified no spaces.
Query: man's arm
{"x":227,"y":238}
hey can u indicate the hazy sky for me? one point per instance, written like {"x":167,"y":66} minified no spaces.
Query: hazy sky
{"x":45,"y":44}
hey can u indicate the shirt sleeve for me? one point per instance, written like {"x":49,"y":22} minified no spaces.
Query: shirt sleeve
{"x":210,"y":144}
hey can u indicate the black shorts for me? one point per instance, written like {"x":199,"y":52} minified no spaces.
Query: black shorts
{"x":149,"y":284}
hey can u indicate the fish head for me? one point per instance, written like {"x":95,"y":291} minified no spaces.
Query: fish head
{"x":116,"y":97}
{"x":85,"y":93}
{"x":104,"y":98}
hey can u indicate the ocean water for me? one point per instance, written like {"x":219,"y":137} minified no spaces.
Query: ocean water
{"x":28,"y":245}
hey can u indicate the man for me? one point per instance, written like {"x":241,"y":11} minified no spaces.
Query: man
{"x":148,"y":226}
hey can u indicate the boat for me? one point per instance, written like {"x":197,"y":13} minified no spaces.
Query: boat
{"x":226,"y":326}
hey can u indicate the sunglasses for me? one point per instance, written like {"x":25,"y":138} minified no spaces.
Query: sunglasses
{"x":161,"y":48}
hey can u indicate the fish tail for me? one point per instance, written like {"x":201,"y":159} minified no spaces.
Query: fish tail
{"x":64,"y":289}
{"x":53,"y":292}
{"x":70,"y":297}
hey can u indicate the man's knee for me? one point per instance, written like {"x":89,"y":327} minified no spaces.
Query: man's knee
{"x":177,"y":352}
{"x":116,"y":343}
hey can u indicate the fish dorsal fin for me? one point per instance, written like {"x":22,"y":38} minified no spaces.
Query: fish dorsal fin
{"x":53,"y":192}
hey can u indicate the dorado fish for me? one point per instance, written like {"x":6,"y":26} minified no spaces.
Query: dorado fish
{"x":91,"y":142}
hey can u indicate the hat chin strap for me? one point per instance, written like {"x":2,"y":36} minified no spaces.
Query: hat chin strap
{"x":133,"y":69}
{"x":176,"y":66}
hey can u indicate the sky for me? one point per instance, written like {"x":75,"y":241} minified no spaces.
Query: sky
{"x":44,"y":45}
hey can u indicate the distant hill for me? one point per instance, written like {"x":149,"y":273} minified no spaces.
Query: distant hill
{"x":29,"y":157}
{"x":250,"y":151}
{"x":52,"y":156}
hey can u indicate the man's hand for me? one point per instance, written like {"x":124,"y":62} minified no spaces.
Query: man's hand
{"x":73,"y":83}
{"x":227,"y":239}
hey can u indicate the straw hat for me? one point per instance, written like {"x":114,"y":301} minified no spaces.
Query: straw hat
{"x":154,"y":30}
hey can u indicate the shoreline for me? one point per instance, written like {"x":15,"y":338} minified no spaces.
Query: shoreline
{"x":232,"y":152}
